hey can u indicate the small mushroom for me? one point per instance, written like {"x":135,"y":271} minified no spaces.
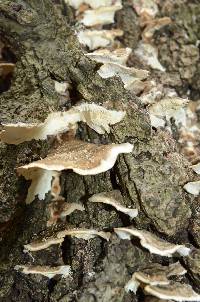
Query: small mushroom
{"x":175,"y":291}
{"x":100,"y":16}
{"x":47,"y":271}
{"x":119,"y":55}
{"x":115,"y":199}
{"x":95,"y":116}
{"x":151,"y":242}
{"x":193,"y":187}
{"x":154,"y":274}
{"x":94,"y":39}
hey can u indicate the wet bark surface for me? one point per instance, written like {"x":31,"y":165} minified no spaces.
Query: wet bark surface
{"x":151,"y":178}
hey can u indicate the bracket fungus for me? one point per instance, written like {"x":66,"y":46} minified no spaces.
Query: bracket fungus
{"x":196,"y":168}
{"x":169,"y":107}
{"x":154,"y":274}
{"x":115,"y":199}
{"x":92,"y":3}
{"x":94,"y":39}
{"x":128,"y":75}
{"x":175,"y":291}
{"x":41,"y":183}
{"x":149,"y":7}
{"x":47,"y":271}
{"x":151,"y":25}
{"x":95,"y":116}
{"x":84,"y":234}
{"x":58,"y":238}
{"x":42,"y":244}
{"x":118,"y":56}
{"x":148,"y":53}
{"x":193,"y":187}
{"x":59,"y":209}
{"x":100,"y":16}
{"x":153,"y":243}
{"x":81,"y":157}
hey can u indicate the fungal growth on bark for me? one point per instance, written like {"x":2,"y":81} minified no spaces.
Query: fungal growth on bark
{"x":115,"y":199}
{"x":155,"y":274}
{"x":46,"y":271}
{"x":97,"y":117}
{"x":58,"y":238}
{"x":153,"y":243}
{"x":175,"y":291}
{"x":99,"y":147}
{"x":94,"y":39}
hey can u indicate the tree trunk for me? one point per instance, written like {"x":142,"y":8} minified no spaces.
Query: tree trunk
{"x":151,"y":178}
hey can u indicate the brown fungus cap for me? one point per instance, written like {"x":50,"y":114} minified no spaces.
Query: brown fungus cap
{"x":153,"y":243}
{"x":154,"y":274}
{"x":81,"y":157}
{"x":175,"y":291}
{"x":46,"y":271}
{"x":115,"y":199}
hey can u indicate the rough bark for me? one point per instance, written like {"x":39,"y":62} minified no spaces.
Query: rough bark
{"x":151,"y":178}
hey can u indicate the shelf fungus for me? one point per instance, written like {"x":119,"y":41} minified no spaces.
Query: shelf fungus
{"x":175,"y":291}
{"x":85,"y":234}
{"x":193,"y":187}
{"x":130,"y":76}
{"x":154,"y":274}
{"x":92,"y":3}
{"x":94,"y":39}
{"x":62,"y":88}
{"x":81,"y":157}
{"x":115,"y":199}
{"x":153,"y":243}
{"x":42,"y":244}
{"x":148,"y":53}
{"x":47,"y":271}
{"x":169,"y":107}
{"x":100,"y":16}
{"x":196,"y":168}
{"x":95,"y":116}
{"x":59,"y":209}
{"x":58,"y":238}
{"x":149,"y":7}
{"x":151,"y":25}
{"x":119,"y":55}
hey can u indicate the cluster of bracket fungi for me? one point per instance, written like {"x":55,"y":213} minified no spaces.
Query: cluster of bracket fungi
{"x":90,"y":159}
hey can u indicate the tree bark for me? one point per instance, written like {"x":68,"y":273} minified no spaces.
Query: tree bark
{"x":150,"y":178}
